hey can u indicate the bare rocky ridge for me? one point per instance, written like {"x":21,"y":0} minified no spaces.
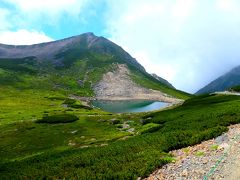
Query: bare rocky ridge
{"x":51,"y":50}
{"x":44,"y":51}
{"x":217,"y":158}
{"x":117,"y":85}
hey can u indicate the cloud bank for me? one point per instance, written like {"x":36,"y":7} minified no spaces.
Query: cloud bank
{"x":188,"y":42}
{"x":23,"y":36}
{"x":23,"y":21}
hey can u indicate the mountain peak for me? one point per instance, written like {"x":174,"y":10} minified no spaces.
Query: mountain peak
{"x":164,"y":81}
{"x":89,"y":34}
{"x":224,"y":82}
{"x":75,"y":47}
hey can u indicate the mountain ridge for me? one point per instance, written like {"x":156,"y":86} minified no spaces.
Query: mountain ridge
{"x":75,"y":64}
{"x":224,"y":82}
{"x":47,"y":49}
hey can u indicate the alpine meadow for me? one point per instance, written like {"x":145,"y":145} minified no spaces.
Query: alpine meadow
{"x":150,"y":92}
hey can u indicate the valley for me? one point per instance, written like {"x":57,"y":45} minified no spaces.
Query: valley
{"x":101,"y":144}
{"x":49,"y":131}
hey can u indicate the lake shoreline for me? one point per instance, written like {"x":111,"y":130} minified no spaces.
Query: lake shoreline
{"x":121,"y":98}
{"x":87,"y":101}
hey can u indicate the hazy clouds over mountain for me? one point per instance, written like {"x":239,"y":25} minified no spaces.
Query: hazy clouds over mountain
{"x":187,"y":42}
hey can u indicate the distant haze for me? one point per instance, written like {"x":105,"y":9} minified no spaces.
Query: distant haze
{"x":187,"y":42}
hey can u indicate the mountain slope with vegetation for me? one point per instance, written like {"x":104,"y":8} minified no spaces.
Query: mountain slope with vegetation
{"x":72,"y":66}
{"x":228,"y":80}
{"x":47,"y":134}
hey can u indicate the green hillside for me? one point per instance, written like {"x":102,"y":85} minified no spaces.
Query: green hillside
{"x":74,"y":68}
{"x":95,"y":146}
{"x":47,"y":135}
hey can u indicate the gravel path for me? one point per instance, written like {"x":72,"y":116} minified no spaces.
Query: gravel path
{"x":217,"y":158}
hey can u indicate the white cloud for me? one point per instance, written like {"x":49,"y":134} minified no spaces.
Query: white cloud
{"x":37,"y":13}
{"x":22,"y":21}
{"x":182,"y":8}
{"x":50,"y":7}
{"x":23,"y":37}
{"x":188,"y":42}
{"x":226,"y":5}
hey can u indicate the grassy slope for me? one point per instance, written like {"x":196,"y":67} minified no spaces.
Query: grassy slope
{"x":197,"y":119}
{"x":25,"y":74}
{"x":148,"y":81}
{"x":21,"y":136}
{"x":75,"y":77}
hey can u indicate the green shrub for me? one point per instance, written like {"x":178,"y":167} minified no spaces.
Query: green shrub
{"x":150,"y":127}
{"x":80,"y":106}
{"x":55,"y":98}
{"x":235,"y":88}
{"x":58,"y":118}
{"x":69,"y":101}
{"x":76,"y":104}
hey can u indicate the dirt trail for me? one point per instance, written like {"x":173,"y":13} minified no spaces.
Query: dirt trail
{"x":217,"y":158}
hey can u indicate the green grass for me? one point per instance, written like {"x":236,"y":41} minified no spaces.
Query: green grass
{"x":79,"y":71}
{"x":199,"y":153}
{"x":214,"y":147}
{"x":150,"y":127}
{"x":92,"y":147}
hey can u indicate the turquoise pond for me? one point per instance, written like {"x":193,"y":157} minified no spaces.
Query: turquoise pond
{"x":128,"y":106}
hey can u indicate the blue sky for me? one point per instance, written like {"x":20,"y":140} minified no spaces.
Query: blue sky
{"x":57,"y":19}
{"x":187,"y":42}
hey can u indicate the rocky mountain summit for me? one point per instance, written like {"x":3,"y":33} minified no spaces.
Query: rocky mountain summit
{"x":78,"y":45}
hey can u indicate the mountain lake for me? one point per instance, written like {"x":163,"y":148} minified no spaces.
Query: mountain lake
{"x":128,"y":106}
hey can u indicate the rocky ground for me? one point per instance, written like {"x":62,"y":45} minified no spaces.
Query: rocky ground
{"x":217,"y":158}
{"x":118,"y":85}
{"x":228,"y":93}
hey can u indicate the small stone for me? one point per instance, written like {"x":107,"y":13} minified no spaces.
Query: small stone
{"x":131,"y":130}
{"x":205,"y":161}
{"x":73,"y":132}
{"x":103,"y":144}
{"x":184,"y":173}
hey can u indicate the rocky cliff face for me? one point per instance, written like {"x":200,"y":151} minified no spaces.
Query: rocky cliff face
{"x":117,"y":85}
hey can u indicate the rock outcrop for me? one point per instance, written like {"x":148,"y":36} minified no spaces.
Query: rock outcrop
{"x":118,"y":85}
